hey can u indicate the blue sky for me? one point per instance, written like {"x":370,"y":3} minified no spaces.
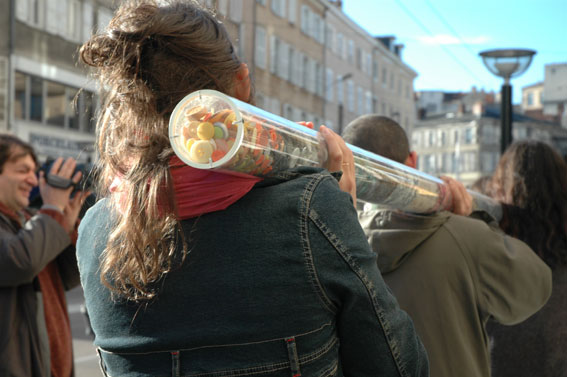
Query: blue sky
{"x":442,"y":38}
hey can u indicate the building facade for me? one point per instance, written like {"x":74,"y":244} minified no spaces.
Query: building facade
{"x":466,"y":146}
{"x":308,"y":61}
{"x":47,"y":98}
{"x":311,"y":62}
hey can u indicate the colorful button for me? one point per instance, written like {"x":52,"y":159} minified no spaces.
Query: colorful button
{"x":205,"y":131}
{"x":201,"y":151}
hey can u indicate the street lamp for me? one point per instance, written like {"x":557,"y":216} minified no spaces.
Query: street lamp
{"x":507,"y":63}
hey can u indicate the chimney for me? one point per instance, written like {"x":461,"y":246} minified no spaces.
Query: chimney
{"x":338,"y":4}
{"x":387,"y":41}
{"x":398,"y":49}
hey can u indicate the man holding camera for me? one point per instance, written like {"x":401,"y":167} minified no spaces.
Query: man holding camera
{"x":37,"y":262}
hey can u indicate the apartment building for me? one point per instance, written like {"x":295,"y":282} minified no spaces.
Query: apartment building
{"x":466,"y":145}
{"x":308,"y":61}
{"x":40,"y":80}
{"x":311,"y":62}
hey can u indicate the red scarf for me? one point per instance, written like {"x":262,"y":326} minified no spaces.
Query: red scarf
{"x":199,"y":191}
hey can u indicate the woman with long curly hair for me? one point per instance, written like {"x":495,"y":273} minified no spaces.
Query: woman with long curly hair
{"x":279,"y":280}
{"x":531,"y":182}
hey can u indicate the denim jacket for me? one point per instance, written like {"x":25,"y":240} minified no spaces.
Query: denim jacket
{"x":281,"y":283}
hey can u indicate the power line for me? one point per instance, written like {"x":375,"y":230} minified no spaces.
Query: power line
{"x":451,"y":28}
{"x":417,"y":21}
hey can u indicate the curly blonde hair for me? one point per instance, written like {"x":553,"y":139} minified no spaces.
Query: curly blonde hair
{"x":152,"y":54}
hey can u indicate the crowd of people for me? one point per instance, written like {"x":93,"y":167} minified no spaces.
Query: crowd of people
{"x":286,"y":277}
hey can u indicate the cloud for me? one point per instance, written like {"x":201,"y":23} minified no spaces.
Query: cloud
{"x":446,"y":39}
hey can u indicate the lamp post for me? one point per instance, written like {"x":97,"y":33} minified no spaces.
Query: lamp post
{"x":507,"y":63}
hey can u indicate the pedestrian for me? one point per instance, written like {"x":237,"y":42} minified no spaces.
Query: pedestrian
{"x":451,"y":273}
{"x":277,"y":281}
{"x":531,"y":182}
{"x":37,"y":264}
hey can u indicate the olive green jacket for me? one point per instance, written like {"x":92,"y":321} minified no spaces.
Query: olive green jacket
{"x":451,"y":274}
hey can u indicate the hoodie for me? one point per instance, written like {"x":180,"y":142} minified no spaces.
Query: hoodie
{"x":451,"y":274}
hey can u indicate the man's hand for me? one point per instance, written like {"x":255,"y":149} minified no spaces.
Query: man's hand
{"x":462,"y":200}
{"x":60,"y":198}
{"x":340,"y":157}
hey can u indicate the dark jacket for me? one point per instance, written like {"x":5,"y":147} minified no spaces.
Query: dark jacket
{"x":537,"y":346}
{"x":24,"y":252}
{"x":451,"y":274}
{"x":281,"y":283}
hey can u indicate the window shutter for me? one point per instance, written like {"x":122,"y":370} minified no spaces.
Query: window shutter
{"x":292,"y":13}
{"x":22,"y":10}
{"x":260,"y":48}
{"x":274,"y":44}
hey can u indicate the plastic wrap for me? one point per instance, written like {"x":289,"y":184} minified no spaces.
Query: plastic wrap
{"x":210,"y":130}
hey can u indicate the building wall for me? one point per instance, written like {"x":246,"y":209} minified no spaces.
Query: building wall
{"x":555,"y":92}
{"x":45,"y":78}
{"x":291,"y":48}
{"x":532,"y":98}
{"x":468,"y":147}
{"x":311,"y":62}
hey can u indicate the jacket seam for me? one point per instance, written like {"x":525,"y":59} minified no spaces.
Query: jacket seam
{"x":339,"y":247}
{"x":306,"y":245}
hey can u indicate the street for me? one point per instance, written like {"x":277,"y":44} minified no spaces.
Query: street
{"x":86,"y":359}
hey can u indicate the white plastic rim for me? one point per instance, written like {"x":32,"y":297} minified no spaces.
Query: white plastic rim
{"x":175,"y":125}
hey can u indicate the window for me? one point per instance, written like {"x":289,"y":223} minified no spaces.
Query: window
{"x":283,"y":61}
{"x":530,"y":99}
{"x":31,"y":12}
{"x":330,"y":38}
{"x":222,"y":6}
{"x":20,"y":100}
{"x":235,"y":10}
{"x":384,"y":76}
{"x":261,"y":2}
{"x":54,"y":110}
{"x":340,"y":90}
{"x":74,"y":19}
{"x":53,"y":103}
{"x":320,"y":80}
{"x":260,"y":48}
{"x":103,"y":18}
{"x":329,"y":83}
{"x":359,"y":58}
{"x":368,"y":103}
{"x":375,"y":70}
{"x":72,"y":114}
{"x":292,"y":13}
{"x":36,"y":99}
{"x":87,"y":26}
{"x":350,"y":51}
{"x":360,"y":100}
{"x":311,"y":76}
{"x":278,"y":7}
{"x":470,"y":135}
{"x":305,"y":72}
{"x":340,"y":45}
{"x":350,"y":95}
{"x":305,"y":18}
{"x":368,"y":70}
{"x":274,"y":50}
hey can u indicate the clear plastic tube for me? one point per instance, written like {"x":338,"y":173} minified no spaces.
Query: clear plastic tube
{"x":210,"y":130}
